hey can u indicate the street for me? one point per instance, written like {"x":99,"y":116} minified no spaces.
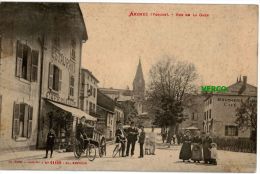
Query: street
{"x":165,"y":159}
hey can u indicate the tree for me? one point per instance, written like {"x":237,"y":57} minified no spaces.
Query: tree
{"x":170,"y":80}
{"x":129,"y":110}
{"x":246,"y":115}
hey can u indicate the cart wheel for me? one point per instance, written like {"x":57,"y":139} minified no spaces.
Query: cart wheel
{"x":91,"y":152}
{"x":77,"y":149}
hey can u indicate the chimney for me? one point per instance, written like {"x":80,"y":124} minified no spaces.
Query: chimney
{"x":244,"y":80}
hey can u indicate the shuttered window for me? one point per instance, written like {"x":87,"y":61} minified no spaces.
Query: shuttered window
{"x":16,"y":118}
{"x":50,"y":81}
{"x":26,"y":62}
{"x":22,"y":120}
{"x":19,"y":59}
{"x":55,"y":77}
{"x":34,"y":68}
{"x":71,"y":93}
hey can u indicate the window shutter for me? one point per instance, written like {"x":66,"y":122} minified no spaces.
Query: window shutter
{"x":34,"y":71}
{"x":29,"y":131}
{"x":16,"y":117}
{"x":19,"y":59}
{"x":29,"y":63}
{"x":50,"y":76}
{"x":25,"y":121}
{"x":60,"y":79}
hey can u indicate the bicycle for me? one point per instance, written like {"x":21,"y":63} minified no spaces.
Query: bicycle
{"x":118,"y":148}
{"x":90,"y":149}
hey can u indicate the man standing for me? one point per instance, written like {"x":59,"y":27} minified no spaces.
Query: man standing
{"x":50,"y":142}
{"x":120,"y":138}
{"x":131,"y":139}
{"x":141,"y":142}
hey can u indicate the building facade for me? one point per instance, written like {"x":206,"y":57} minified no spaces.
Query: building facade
{"x":88,"y":92}
{"x":20,"y":57}
{"x":41,"y":47}
{"x":105,"y":115}
{"x":193,"y":112}
{"x":61,"y":73}
{"x":220,"y":110}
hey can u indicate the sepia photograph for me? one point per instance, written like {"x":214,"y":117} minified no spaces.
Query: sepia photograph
{"x":128,"y":87}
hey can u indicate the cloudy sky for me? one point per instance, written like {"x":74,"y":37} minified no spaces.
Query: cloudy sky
{"x":222,"y":46}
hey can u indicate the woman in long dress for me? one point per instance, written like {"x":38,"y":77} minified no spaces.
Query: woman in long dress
{"x":185,"y":153}
{"x":206,"y":143}
{"x":196,"y":149}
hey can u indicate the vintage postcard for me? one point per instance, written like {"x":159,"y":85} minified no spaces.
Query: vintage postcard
{"x":128,"y":87}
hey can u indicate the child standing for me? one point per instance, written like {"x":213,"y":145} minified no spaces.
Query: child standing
{"x":141,"y":142}
{"x":214,"y":153}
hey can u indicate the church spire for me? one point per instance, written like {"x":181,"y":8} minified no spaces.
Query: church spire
{"x":139,"y":83}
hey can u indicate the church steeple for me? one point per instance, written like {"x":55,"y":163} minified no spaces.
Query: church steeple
{"x":139,"y":83}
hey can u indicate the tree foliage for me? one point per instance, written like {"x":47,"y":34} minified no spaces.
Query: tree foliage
{"x":129,"y":110}
{"x":170,"y":81}
{"x":246,"y":114}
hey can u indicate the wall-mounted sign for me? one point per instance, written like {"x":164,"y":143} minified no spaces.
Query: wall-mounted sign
{"x":58,"y":57}
{"x":55,"y":97}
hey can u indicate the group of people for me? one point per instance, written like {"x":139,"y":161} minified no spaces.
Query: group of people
{"x":198,"y":148}
{"x":130,"y":136}
{"x":174,"y":139}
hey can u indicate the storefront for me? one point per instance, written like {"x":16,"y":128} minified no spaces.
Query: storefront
{"x":63,"y":120}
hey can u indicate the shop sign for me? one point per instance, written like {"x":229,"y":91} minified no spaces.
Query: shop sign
{"x":55,"y":97}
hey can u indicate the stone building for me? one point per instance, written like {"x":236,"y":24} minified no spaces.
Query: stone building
{"x":88,"y":92}
{"x":220,"y":110}
{"x":40,"y":66}
{"x":20,"y":57}
{"x":105,"y":115}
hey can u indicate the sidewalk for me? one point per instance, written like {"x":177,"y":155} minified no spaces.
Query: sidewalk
{"x":28,"y":154}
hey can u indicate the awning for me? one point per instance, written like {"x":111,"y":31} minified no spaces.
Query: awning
{"x":74,"y":111}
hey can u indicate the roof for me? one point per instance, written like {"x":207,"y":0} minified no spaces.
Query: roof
{"x":105,"y":102}
{"x":239,"y":88}
{"x":90,"y":73}
{"x":43,"y":17}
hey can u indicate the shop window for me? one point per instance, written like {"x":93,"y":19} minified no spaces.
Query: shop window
{"x":26,"y":62}
{"x":55,"y":77}
{"x":231,"y":131}
{"x":71,"y":86}
{"x":22,"y":121}
{"x":73,"y":49}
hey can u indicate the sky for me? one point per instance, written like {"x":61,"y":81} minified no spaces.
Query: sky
{"x":222,"y":46}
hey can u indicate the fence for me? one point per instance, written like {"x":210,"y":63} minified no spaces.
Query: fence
{"x":236,"y":145}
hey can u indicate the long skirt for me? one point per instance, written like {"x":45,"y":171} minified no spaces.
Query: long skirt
{"x":185,"y":153}
{"x":196,"y":153}
{"x":206,"y":153}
